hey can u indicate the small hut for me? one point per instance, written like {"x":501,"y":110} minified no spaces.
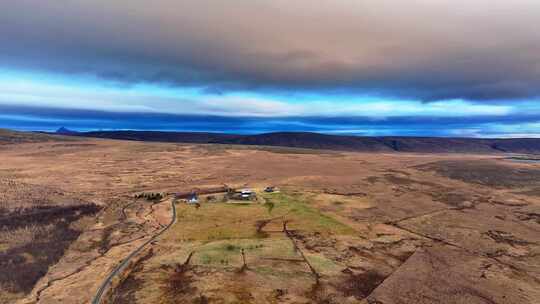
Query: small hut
{"x":193,"y":198}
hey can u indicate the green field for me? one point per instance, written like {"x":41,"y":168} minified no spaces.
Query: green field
{"x":217,"y":233}
{"x":225,"y":221}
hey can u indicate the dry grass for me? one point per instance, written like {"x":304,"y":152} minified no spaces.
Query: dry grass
{"x":494,"y":174}
{"x":36,"y":227}
{"x":378,"y":195}
{"x":16,"y":196}
{"x":23,"y":235}
{"x":13,"y":137}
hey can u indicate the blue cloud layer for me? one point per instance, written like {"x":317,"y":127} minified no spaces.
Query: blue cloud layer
{"x":30,"y":101}
{"x":49,"y":119}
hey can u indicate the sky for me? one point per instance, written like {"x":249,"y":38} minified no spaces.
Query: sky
{"x":459,"y":68}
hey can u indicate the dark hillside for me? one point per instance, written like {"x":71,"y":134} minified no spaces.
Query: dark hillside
{"x":313,"y":141}
{"x":12,"y":137}
{"x":335,"y":142}
{"x":157,"y":136}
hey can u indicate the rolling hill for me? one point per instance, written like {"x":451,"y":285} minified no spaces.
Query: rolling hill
{"x":11,"y":137}
{"x":334,"y":142}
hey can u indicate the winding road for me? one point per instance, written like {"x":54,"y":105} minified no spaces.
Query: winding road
{"x":118,"y":269}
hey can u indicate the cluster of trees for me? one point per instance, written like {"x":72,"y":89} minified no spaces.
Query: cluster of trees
{"x":150,"y":196}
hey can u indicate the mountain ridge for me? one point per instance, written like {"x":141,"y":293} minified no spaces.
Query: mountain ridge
{"x":310,"y":140}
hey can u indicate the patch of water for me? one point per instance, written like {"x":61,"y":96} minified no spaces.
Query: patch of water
{"x":524,"y":160}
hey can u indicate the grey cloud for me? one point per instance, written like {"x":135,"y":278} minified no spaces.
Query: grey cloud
{"x":430,"y":50}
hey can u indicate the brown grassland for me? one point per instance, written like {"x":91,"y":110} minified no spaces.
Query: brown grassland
{"x":344,"y":228}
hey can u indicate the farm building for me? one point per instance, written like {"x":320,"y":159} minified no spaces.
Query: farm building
{"x":243,"y":194}
{"x":193,"y":198}
{"x":247,"y":193}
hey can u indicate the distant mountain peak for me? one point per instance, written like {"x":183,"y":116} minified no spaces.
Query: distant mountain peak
{"x":64,"y":130}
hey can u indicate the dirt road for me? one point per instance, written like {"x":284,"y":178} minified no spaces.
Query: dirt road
{"x":118,"y":269}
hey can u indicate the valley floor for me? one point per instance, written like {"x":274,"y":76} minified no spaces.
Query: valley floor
{"x":345,"y":227}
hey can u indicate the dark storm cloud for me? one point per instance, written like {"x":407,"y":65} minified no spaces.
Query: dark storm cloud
{"x":430,"y":50}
